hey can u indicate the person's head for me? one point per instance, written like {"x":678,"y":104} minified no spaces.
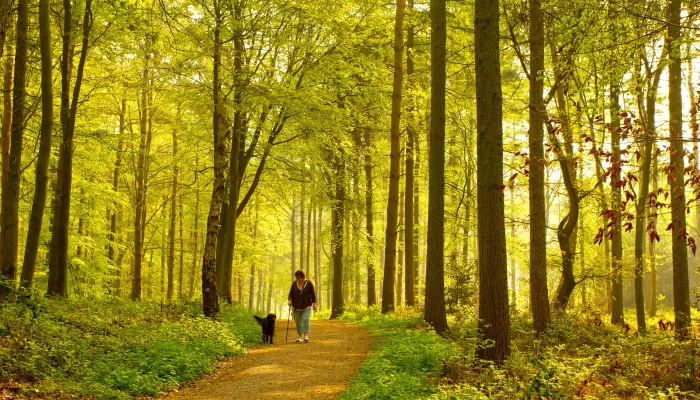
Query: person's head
{"x":299,"y":274}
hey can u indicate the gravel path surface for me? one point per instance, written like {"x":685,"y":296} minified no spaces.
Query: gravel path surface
{"x":320,"y":369}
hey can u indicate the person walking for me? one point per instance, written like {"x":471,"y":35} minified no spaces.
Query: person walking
{"x":302,"y":298}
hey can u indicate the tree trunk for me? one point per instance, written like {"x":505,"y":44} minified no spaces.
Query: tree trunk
{"x":195,"y":235}
{"x":317,"y":256}
{"x":435,"y":267}
{"x":337,"y":226}
{"x":210,"y":298}
{"x":392,"y":208}
{"x":173,"y":220}
{"x":513,"y":270}
{"x":114,"y":217}
{"x":369,"y":220}
{"x":136,"y":286}
{"x":302,"y":266}
{"x":251,"y":293}
{"x":294,"y":237}
{"x":681,"y":290}
{"x":615,"y":177}
{"x":652,"y":282}
{"x":10,"y":216}
{"x":58,"y":275}
{"x":400,"y":267}
{"x":494,"y":318}
{"x":410,"y":181}
{"x":307,"y":260}
{"x":5,"y":134}
{"x":539,"y":293}
{"x":44,"y":157}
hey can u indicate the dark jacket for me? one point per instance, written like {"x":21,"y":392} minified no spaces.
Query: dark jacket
{"x":302,"y":298}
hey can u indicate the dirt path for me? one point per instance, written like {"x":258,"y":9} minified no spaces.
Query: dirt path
{"x":320,"y":369}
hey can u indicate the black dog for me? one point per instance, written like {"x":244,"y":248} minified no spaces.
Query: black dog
{"x":268,"y":326}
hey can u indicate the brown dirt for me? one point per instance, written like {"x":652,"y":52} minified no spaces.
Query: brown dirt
{"x":320,"y":369}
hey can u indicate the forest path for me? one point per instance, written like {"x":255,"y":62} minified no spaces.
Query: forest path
{"x":320,"y":369}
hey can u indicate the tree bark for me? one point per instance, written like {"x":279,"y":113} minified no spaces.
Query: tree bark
{"x":318,"y":226}
{"x":5,"y":134}
{"x":681,"y":287}
{"x":10,"y":216}
{"x":392,"y":208}
{"x":136,"y":285}
{"x":337,"y":225}
{"x":114,"y":217}
{"x":210,"y":298}
{"x":410,"y":165}
{"x":539,"y":293}
{"x":44,"y":157}
{"x":494,"y":318}
{"x":435,"y":267}
{"x":369,"y":220}
{"x":615,"y":177}
{"x":173,"y":220}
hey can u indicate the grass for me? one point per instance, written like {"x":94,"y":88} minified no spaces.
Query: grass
{"x":113,"y":349}
{"x":406,"y":354}
{"x":578,"y":358}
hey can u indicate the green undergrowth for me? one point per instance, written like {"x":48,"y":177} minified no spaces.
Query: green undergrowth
{"x":582,"y":356}
{"x":406,"y":353}
{"x":113,"y":349}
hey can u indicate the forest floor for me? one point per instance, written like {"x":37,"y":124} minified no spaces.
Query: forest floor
{"x":320,"y":369}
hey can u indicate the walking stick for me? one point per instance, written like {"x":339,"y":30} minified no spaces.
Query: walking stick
{"x":288,"y":318}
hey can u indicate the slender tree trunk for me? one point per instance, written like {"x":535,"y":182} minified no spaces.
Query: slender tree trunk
{"x":195,"y":235}
{"x":392,"y":209}
{"x":435,"y":267}
{"x":318,"y":226}
{"x":539,"y":293}
{"x":173,"y":220}
{"x":337,"y":225}
{"x":616,"y":176}
{"x":251,"y":293}
{"x":400,"y":267}
{"x":307,"y":260}
{"x":302,"y":266}
{"x":210,"y":298}
{"x":260,"y":290}
{"x":369,"y":220}
{"x":652,"y":282}
{"x":136,"y":287}
{"x":410,"y":164}
{"x":294,"y":238}
{"x":42,"y":163}
{"x":182,"y":253}
{"x":681,"y":286}
{"x":513,"y":270}
{"x":58,"y":275}
{"x":114,"y":217}
{"x":494,"y":318}
{"x":10,"y":216}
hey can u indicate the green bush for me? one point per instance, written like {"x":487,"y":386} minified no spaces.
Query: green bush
{"x":114,"y":349}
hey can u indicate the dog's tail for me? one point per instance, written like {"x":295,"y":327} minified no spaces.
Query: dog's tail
{"x":260,"y":320}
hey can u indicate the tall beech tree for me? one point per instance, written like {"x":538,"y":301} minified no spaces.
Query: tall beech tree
{"x":44,"y":156}
{"x":676,"y":179}
{"x":494,"y":318}
{"x":392,"y":208}
{"x":539,"y":297}
{"x":435,"y":263}
{"x":10,"y":215}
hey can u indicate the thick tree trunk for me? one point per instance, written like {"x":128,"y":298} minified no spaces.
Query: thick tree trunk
{"x":10,"y":216}
{"x":435,"y":267}
{"x":44,"y":157}
{"x":494,"y":318}
{"x":392,"y":208}
{"x":337,"y":225}
{"x":615,"y":177}
{"x":539,"y":293}
{"x":681,"y":290}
